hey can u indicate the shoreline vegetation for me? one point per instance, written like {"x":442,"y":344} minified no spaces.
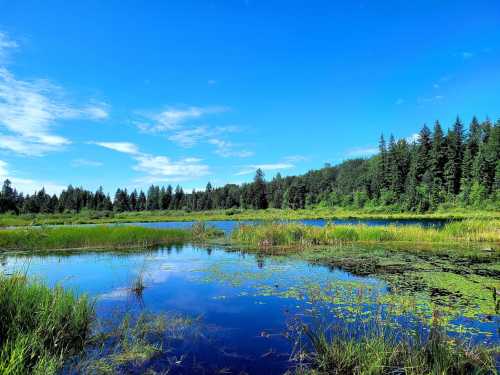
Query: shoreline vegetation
{"x":300,"y":235}
{"x":40,"y":327}
{"x":270,"y":214}
{"x":261,"y":236}
{"x":99,"y":237}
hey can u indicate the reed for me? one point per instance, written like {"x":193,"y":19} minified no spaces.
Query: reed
{"x":338,"y":352}
{"x":40,"y":327}
{"x":98,"y":237}
{"x":103,"y":217}
{"x":275,"y":234}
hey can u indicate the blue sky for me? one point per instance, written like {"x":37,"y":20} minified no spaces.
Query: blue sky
{"x":129,"y":93}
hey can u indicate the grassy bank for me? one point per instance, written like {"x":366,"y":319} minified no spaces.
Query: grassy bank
{"x":90,"y":217}
{"x":98,"y":237}
{"x":40,"y":327}
{"x":274,"y":234}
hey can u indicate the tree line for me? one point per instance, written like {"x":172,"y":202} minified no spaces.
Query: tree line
{"x":459,"y":168}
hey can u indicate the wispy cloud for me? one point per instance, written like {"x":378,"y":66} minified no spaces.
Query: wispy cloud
{"x":361,"y":152}
{"x":28,"y":186}
{"x":249,"y":169}
{"x":190,"y":137}
{"x":6,"y":44}
{"x":124,"y":147}
{"x":186,"y":127}
{"x":29,"y":111}
{"x":86,"y":163}
{"x":163,"y":169}
{"x":173,"y":118}
{"x":400,"y":101}
{"x":430,"y":99}
{"x":158,"y":168}
{"x":228,"y":149}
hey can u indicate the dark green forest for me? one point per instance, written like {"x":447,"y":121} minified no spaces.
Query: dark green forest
{"x":459,"y":168}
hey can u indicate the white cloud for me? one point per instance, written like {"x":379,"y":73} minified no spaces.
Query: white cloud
{"x":159,"y":168}
{"x":360,"y":152}
{"x":162,"y":169}
{"x":5,"y":45}
{"x":28,"y":186}
{"x":413,"y":138}
{"x":249,"y":169}
{"x":177,"y":124}
{"x":125,"y":147}
{"x":189,"y":137}
{"x":97,"y":112}
{"x":85,"y":163}
{"x":29,"y":110}
{"x":173,"y":118}
{"x":226,"y":149}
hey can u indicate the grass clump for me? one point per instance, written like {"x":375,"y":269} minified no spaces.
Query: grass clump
{"x":276,"y":234}
{"x":40,"y":327}
{"x":102,"y":237}
{"x":376,"y":353}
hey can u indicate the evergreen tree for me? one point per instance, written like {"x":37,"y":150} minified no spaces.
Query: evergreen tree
{"x":259,"y":191}
{"x":453,"y":166}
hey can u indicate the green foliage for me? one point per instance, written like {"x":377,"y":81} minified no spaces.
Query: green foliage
{"x":40,"y":327}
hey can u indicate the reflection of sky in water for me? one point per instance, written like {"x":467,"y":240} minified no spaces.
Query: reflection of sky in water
{"x":228,"y":225}
{"x":241,"y":295}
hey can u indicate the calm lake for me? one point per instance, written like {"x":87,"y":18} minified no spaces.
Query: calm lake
{"x":228,"y":225}
{"x":242,"y":305}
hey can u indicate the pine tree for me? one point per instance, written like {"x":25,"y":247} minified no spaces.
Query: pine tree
{"x":259,"y":191}
{"x":453,"y":166}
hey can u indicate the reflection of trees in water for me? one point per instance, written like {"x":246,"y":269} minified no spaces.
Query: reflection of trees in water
{"x":260,"y":261}
{"x":3,"y":260}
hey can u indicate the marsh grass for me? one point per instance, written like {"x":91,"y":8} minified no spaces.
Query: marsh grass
{"x":276,"y":234}
{"x":40,"y":327}
{"x":377,"y":346}
{"x":98,"y":237}
{"x":339,"y":353}
{"x":101,"y":217}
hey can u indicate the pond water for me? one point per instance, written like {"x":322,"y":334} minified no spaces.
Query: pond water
{"x":242,"y":303}
{"x":228,"y":225}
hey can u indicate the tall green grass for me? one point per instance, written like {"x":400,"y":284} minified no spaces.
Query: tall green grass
{"x":101,"y":217}
{"x":273,"y":234}
{"x":40,"y":327}
{"x":101,"y":237}
{"x":379,"y":353}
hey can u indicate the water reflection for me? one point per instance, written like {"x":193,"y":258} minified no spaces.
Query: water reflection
{"x":243,"y":300}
